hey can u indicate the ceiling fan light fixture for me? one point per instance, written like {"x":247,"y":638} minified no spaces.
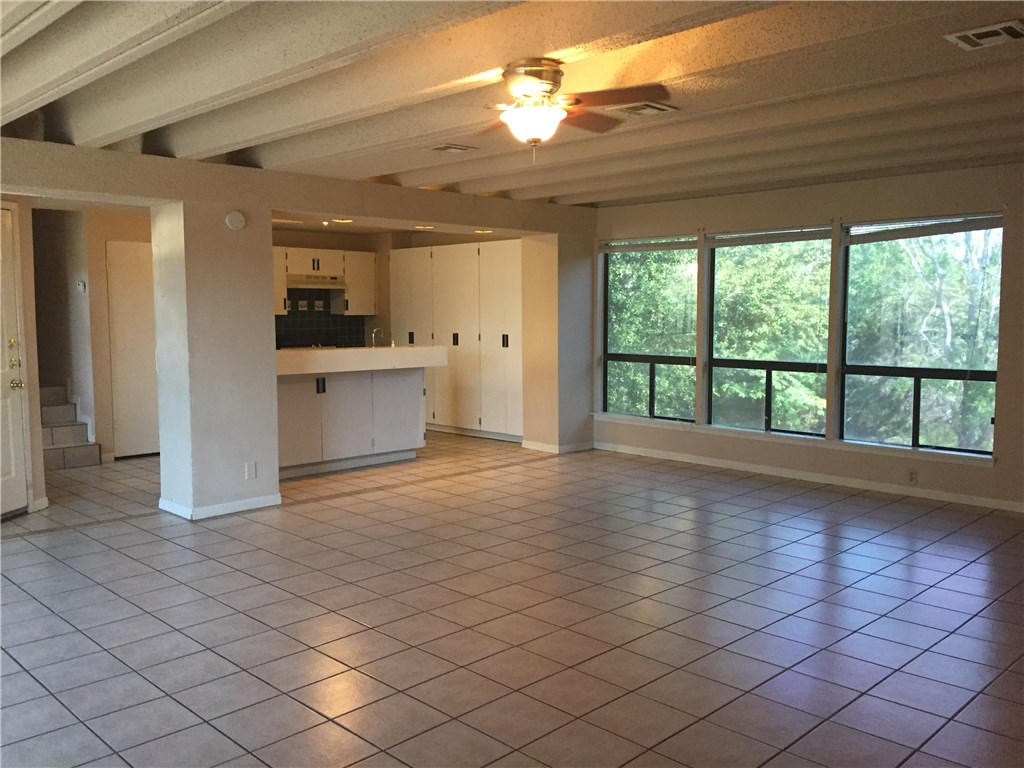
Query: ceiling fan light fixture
{"x":533,"y":123}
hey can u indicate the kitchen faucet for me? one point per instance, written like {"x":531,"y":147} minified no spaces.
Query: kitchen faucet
{"x":373,"y":336}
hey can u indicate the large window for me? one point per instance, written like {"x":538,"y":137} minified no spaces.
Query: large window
{"x":915,"y":341}
{"x":651,"y":329}
{"x":769,"y":330}
{"x":922,"y":334}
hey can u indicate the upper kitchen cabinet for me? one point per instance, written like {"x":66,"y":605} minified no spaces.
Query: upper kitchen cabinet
{"x":280,"y":280}
{"x":359,"y":270}
{"x":330,"y":262}
{"x":412,"y":310}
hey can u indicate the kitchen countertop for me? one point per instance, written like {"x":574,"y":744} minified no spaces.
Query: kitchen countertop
{"x":302,"y":361}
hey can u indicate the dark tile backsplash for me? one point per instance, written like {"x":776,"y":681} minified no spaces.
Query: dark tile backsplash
{"x":309,"y":326}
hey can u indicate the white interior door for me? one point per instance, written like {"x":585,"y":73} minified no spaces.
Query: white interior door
{"x":13,"y":465}
{"x":132,"y":348}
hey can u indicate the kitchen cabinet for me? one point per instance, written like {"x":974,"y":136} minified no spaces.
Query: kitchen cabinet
{"x":329,"y":263}
{"x":456,"y":305}
{"x":339,"y":416}
{"x":501,"y":347}
{"x":280,"y":280}
{"x":360,"y":283}
{"x":471,"y":293}
{"x":412,"y":307}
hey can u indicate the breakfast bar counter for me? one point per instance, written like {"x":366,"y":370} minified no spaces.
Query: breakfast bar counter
{"x":350,"y":407}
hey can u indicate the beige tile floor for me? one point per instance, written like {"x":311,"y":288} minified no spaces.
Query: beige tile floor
{"x":488,"y":605}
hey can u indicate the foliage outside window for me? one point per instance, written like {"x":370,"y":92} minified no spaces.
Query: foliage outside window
{"x":770,"y":332}
{"x":650,"y":330}
{"x":922,"y":336}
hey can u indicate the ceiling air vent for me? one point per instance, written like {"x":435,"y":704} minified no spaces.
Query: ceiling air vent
{"x":985,"y":37}
{"x":644,"y":108}
{"x":451,"y":149}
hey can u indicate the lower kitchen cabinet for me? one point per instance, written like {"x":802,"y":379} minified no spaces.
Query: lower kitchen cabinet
{"x":339,"y":416}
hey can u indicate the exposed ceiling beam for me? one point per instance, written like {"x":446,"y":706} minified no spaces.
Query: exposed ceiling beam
{"x":263,"y":47}
{"x":432,"y":66}
{"x":95,"y":40}
{"x":791,"y":169}
{"x":795,"y":149}
{"x":22,"y":20}
{"x":701,"y":75}
{"x":727,"y":135}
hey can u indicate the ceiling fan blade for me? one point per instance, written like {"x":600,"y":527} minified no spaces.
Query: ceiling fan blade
{"x":591,"y":121}
{"x":631,"y":95}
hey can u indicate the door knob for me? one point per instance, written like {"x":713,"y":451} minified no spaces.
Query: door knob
{"x":14,"y":362}
{"x":17,"y":384}
{"x":12,"y":343}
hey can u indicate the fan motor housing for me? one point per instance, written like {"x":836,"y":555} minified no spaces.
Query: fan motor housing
{"x":530,"y":78}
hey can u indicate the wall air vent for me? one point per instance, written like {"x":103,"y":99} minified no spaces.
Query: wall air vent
{"x":986,"y":37}
{"x":451,"y":149}
{"x":644,"y":108}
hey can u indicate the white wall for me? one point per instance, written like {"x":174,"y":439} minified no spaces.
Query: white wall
{"x":996,"y":481}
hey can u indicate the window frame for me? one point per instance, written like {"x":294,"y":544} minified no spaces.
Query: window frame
{"x":896,"y":231}
{"x":628,"y":357}
{"x":768,"y":366}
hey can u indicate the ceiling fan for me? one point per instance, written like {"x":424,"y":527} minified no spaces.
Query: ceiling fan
{"x":538,"y":109}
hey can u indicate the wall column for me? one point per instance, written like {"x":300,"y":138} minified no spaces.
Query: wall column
{"x":216,"y":363}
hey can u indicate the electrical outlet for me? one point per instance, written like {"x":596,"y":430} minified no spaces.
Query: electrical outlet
{"x":250,"y":470}
{"x":912,"y":477}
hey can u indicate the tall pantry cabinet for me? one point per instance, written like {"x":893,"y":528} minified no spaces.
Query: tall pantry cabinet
{"x":467,"y":297}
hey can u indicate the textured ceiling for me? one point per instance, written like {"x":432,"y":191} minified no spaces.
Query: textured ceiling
{"x":767,"y":94}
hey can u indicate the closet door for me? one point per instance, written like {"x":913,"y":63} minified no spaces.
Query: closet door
{"x":132,"y":348}
{"x":412,"y":308}
{"x":457,"y":326}
{"x":501,"y":324}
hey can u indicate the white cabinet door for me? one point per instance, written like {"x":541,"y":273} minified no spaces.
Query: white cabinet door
{"x":501,"y":351}
{"x":347,"y":413}
{"x":360,"y":283}
{"x":301,"y":261}
{"x":330,"y":263}
{"x":412,"y":308}
{"x":280,"y":280}
{"x":457,"y":326}
{"x":298,"y":421}
{"x":397,"y":412}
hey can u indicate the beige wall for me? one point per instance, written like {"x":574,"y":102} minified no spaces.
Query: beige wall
{"x":999,"y":480}
{"x":63,"y":314}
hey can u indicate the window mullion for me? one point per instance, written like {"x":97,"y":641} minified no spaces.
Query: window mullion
{"x":836,"y":353}
{"x":702,"y":393}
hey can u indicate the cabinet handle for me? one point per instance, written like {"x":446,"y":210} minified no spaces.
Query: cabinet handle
{"x":346,"y":305}
{"x":412,"y":336}
{"x":504,"y":340}
{"x":455,"y":339}
{"x":321,"y":385}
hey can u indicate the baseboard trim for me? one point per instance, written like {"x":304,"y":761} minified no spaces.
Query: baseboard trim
{"x":215,"y":510}
{"x":552,"y":448}
{"x":323,"y":467}
{"x":818,"y":477}
{"x":475,"y":433}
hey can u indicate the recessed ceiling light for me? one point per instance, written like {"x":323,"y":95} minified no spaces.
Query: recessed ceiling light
{"x":326,"y":223}
{"x":483,"y":231}
{"x":286,"y":221}
{"x":342,"y":221}
{"x":422,"y":226}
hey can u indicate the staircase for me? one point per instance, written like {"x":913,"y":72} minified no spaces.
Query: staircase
{"x":65,"y":439}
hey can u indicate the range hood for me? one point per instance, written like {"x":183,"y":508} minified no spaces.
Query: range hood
{"x":323,"y":282}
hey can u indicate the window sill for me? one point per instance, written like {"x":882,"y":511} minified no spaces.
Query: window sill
{"x":844,"y":446}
